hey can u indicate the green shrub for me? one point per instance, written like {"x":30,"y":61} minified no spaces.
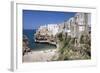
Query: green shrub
{"x":68,"y":50}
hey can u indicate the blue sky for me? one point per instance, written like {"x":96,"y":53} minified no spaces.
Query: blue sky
{"x":32,"y":19}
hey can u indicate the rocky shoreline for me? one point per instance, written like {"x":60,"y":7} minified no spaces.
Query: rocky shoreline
{"x":40,"y":56}
{"x":25,"y":45}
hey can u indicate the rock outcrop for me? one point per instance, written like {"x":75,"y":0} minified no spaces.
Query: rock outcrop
{"x":25,"y":45}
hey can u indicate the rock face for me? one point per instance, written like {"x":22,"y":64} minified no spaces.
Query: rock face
{"x":25,"y":45}
{"x":44,"y":35}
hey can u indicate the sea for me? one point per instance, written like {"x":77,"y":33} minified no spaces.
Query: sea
{"x":32,"y":44}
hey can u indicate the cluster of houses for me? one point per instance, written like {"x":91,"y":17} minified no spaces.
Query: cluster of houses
{"x":75,"y":26}
{"x":47,"y":33}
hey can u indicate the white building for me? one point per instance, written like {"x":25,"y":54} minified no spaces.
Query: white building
{"x":50,"y":29}
{"x":71,"y":27}
{"x":67,"y":27}
{"x":53,"y":28}
{"x":42,"y":27}
{"x":78,"y":24}
{"x":61,"y":25}
{"x":83,"y":20}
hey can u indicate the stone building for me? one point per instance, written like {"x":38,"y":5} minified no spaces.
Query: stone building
{"x":61,"y":27}
{"x":79,"y":24}
{"x":83,"y":23}
{"x":53,"y":29}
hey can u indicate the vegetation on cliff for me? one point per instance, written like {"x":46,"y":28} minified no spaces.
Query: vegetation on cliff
{"x":71,"y":49}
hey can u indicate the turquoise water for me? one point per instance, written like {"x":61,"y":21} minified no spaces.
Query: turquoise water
{"x":36,"y":46}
